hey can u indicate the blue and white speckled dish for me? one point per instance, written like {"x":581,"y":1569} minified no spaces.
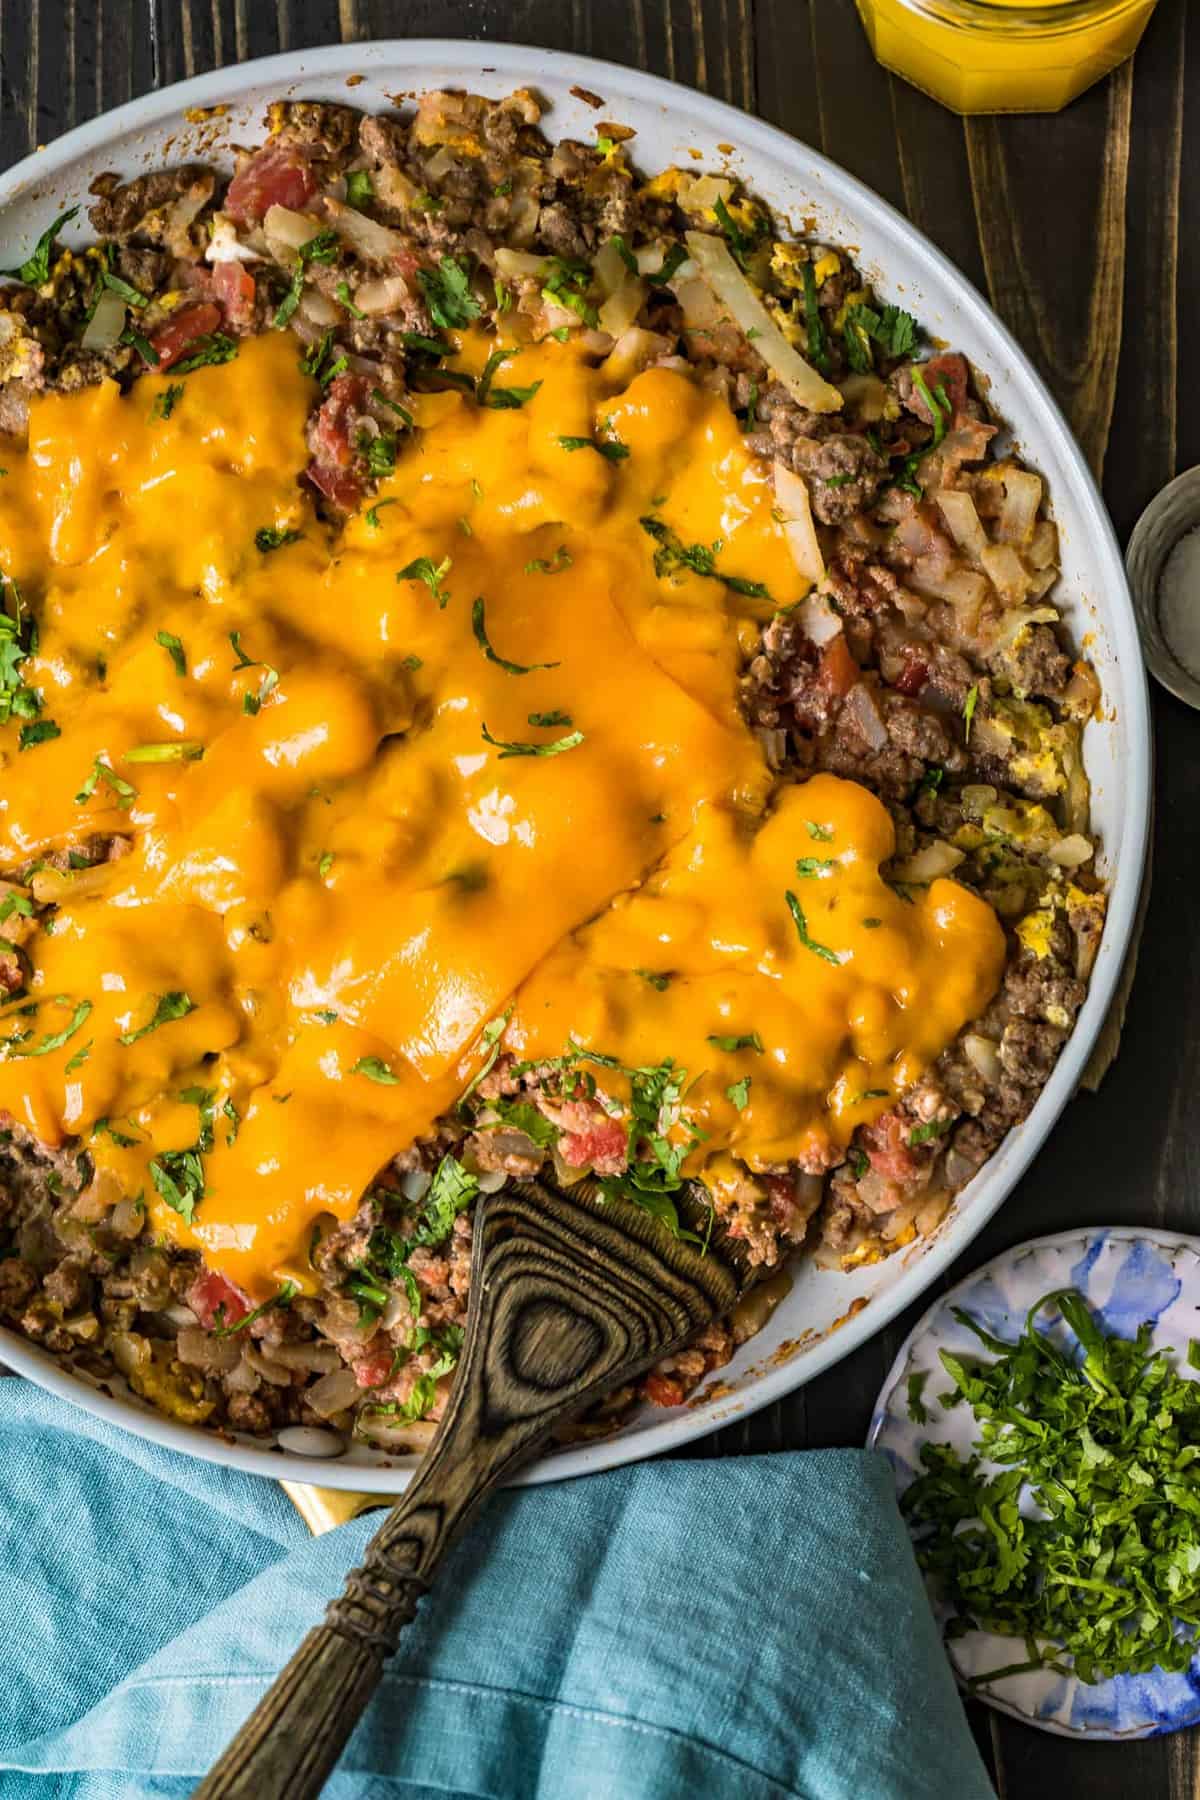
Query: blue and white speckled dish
{"x":1128,"y":1277}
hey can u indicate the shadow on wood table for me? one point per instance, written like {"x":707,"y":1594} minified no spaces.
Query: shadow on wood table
{"x":1084,"y":229}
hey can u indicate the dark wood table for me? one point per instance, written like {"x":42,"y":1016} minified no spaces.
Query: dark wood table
{"x":1085,"y":230}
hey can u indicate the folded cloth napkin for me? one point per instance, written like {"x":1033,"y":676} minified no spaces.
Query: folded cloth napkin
{"x":741,"y":1629}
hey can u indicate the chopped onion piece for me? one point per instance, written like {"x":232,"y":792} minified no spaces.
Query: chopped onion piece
{"x":1006,"y":572}
{"x":983,"y":1053}
{"x":817,"y":619}
{"x":608,"y":267}
{"x":49,"y":886}
{"x":701,"y":309}
{"x":319,"y":310}
{"x":774,"y":745}
{"x":930,"y":863}
{"x":622,"y":307}
{"x":225,"y":246}
{"x":392,"y":188}
{"x":521,"y":262}
{"x":1071,"y":852}
{"x":368,"y":239}
{"x":286,"y":230}
{"x":791,"y":491}
{"x":1043,"y":545}
{"x":962,"y":587}
{"x":958,"y":510}
{"x":1018,"y":515}
{"x":333,"y":1393}
{"x":715,"y":263}
{"x":859,"y":704}
{"x":1019,"y":617}
{"x":631,"y":353}
{"x":865,"y":397}
{"x":381,"y":296}
{"x":106,"y":323}
{"x":700,"y":193}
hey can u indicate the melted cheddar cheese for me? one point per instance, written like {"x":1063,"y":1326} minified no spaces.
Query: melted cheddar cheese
{"x":470,"y":756}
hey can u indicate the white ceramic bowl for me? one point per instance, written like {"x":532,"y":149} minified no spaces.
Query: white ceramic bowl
{"x":672,"y":123}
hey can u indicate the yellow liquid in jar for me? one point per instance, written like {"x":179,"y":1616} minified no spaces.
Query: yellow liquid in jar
{"x":974,"y":63}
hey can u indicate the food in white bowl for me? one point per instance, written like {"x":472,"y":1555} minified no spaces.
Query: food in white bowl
{"x":640,"y":640}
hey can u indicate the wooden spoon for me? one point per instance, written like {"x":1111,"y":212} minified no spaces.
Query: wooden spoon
{"x":570,"y":1296}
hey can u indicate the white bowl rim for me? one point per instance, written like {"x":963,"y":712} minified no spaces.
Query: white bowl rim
{"x":528,"y":65}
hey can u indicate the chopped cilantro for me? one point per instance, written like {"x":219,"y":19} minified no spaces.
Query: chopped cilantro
{"x":567,"y":284}
{"x":814,"y":867}
{"x":124,"y":793}
{"x":165,"y":403}
{"x":921,"y":1134}
{"x":570,"y":742}
{"x":940,"y":409}
{"x":917,"y":1411}
{"x":479,"y":627}
{"x":558,"y":562}
{"x":422,"y":568}
{"x":548,"y":720}
{"x":341,"y":294}
{"x":972,"y":701}
{"x":360,"y":189}
{"x":1103,"y":1436}
{"x":274,"y":537}
{"x":323,"y":248}
{"x":18,"y":1045}
{"x":139,"y":342}
{"x":401,"y":412}
{"x":671,"y":264}
{"x":287,"y":1293}
{"x":741,"y":243}
{"x":174,"y":646}
{"x":36,"y":268}
{"x":816,"y":341}
{"x":447,"y":291}
{"x":820,"y":834}
{"x":167,"y":1008}
{"x":39,"y":732}
{"x":739,"y":1093}
{"x":701,"y":559}
{"x":325,"y":863}
{"x":372,"y":513}
{"x":745,"y":1041}
{"x":375,"y":1069}
{"x":214,"y":347}
{"x":801,"y":924}
{"x":652,"y":978}
{"x":609,"y":448}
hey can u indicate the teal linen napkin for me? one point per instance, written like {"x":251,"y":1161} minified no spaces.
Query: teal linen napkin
{"x":738,"y":1630}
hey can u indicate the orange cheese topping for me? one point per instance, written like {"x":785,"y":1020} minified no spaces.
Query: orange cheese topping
{"x":332,"y":859}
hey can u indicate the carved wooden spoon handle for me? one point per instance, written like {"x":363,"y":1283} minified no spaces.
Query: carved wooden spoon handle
{"x":566,"y":1302}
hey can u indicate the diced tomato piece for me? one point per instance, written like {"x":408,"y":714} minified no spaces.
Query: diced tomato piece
{"x":338,"y":485}
{"x":950,"y":372}
{"x":887,"y":1148}
{"x":602,"y":1147}
{"x":216,"y":1301}
{"x":374,"y":1368}
{"x":175,"y":338}
{"x":233,"y":285}
{"x":329,"y":429}
{"x":914,"y":674}
{"x":662,"y":1390}
{"x":274,"y":176}
{"x":839,"y":671}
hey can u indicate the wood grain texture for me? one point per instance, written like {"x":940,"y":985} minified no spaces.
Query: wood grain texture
{"x":571,"y":1297}
{"x":1085,"y":229}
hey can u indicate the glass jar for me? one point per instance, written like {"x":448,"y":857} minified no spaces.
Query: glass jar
{"x":991,"y":56}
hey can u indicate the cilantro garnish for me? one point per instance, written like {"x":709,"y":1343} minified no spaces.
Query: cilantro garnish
{"x":624,"y":252}
{"x":129,"y":294}
{"x":940,"y":409}
{"x":652,"y":978}
{"x":425,"y":346}
{"x":503,"y":399}
{"x":274,"y":537}
{"x":375,"y":1069}
{"x":558,"y":562}
{"x":972,"y":701}
{"x":372,"y":513}
{"x":701,"y":559}
{"x":12,"y":903}
{"x":895,"y":331}
{"x":916,"y":1406}
{"x":816,"y":341}
{"x":814,"y":867}
{"x":17,"y":1045}
{"x":479,"y":627}
{"x":40,"y":732}
{"x":739,"y":1093}
{"x":18,"y":639}
{"x":672,"y":262}
{"x":145,"y":349}
{"x":489,"y":1037}
{"x":422,"y":568}
{"x":1104,"y":1436}
{"x":745,"y":1041}
{"x":322,"y":248}
{"x":168,"y":1008}
{"x":174,"y":646}
{"x":921,"y":1134}
{"x":124,"y":793}
{"x":36,"y":268}
{"x":341,"y":294}
{"x":801,"y":924}
{"x":165,"y":403}
{"x":359,"y":188}
{"x":741,"y":243}
{"x":820,"y":834}
{"x":287,"y":1293}
{"x":401,"y":412}
{"x":609,"y":448}
{"x":570,"y":742}
{"x":519,"y":1115}
{"x":447,"y":291}
{"x":567,"y":284}
{"x":379,"y":450}
{"x":213,"y":347}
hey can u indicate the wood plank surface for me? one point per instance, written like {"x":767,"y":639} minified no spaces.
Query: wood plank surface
{"x":1084,"y":229}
